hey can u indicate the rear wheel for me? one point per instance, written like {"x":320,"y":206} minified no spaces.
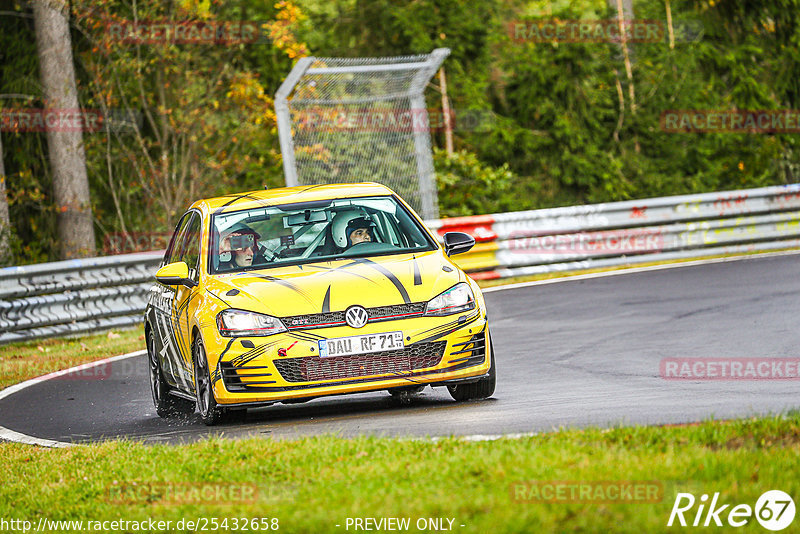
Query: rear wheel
{"x":210,"y":412}
{"x":166,"y":405}
{"x":482,"y":389}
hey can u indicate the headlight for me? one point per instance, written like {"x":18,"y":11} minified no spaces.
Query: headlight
{"x":245,"y":323}
{"x":457,"y":299}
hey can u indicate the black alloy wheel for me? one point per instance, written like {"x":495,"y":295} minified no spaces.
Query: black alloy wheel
{"x":167,"y":405}
{"x":482,"y":389}
{"x":210,"y":412}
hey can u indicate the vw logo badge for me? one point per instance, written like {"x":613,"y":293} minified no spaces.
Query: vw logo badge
{"x":356,"y":316}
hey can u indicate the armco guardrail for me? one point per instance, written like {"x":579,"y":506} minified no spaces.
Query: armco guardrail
{"x":601,"y":235}
{"x":80,"y":296}
{"x":74,"y":296}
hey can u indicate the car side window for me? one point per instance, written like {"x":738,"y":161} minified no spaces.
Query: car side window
{"x":389,"y":229}
{"x":190,"y":251}
{"x":174,"y":250}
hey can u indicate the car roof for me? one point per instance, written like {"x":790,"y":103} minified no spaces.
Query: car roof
{"x":290,"y":195}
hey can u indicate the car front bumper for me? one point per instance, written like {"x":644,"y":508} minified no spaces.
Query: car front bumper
{"x":287,"y":366}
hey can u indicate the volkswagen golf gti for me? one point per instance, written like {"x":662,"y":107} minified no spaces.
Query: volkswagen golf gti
{"x":291,"y":294}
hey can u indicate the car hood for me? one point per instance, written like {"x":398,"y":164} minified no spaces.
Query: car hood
{"x":336,"y":285}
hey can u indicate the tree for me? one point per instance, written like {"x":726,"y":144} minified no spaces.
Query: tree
{"x":205,"y":123}
{"x":5,"y":221}
{"x":65,"y":148}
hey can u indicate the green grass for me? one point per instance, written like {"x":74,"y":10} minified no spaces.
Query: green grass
{"x":21,"y":361}
{"x":313,"y":484}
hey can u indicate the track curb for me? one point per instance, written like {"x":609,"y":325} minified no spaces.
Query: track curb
{"x":18,"y":437}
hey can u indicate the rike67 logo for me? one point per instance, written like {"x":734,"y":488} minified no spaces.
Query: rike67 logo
{"x":774,"y":510}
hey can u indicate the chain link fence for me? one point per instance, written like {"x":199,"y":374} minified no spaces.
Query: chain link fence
{"x":348,"y":120}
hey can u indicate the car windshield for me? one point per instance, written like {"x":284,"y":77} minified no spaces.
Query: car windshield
{"x":307,"y":232}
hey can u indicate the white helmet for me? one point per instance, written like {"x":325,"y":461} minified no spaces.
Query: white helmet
{"x":342,"y":220}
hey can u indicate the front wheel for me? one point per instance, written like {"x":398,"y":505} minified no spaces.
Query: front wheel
{"x":210,"y":412}
{"x":166,"y":405}
{"x":482,"y":389}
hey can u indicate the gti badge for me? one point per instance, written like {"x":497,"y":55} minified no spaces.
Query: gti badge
{"x":356,"y":316}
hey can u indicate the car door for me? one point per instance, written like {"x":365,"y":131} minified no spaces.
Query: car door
{"x":166,"y":328}
{"x":181,"y":304}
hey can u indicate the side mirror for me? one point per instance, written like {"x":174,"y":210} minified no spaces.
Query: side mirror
{"x":175,"y":274}
{"x":457,"y":242}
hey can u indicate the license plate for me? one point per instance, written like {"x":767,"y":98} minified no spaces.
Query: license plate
{"x":344,"y":346}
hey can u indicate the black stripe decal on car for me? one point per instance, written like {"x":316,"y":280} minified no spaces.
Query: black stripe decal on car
{"x":326,"y":303}
{"x":236,"y":199}
{"x":284,"y":283}
{"x":388,"y":274}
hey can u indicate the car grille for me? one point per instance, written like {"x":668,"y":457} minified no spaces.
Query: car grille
{"x":377,"y":314}
{"x":308,"y":369}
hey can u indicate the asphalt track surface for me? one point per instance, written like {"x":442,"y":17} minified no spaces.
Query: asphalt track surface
{"x":573,"y":354}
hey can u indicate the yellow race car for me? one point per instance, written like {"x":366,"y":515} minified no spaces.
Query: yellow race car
{"x":286,"y":295}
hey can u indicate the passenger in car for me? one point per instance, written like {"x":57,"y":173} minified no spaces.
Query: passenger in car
{"x":239,"y":248}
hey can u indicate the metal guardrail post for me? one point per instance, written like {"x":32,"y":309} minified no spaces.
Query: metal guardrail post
{"x":284,"y":119}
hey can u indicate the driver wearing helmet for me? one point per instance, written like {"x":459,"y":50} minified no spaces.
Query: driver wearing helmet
{"x":352,"y":228}
{"x":359,"y":231}
{"x":237,"y":247}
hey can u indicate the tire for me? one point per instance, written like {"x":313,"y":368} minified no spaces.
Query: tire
{"x":210,"y":412}
{"x":482,"y":389}
{"x":166,"y":405}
